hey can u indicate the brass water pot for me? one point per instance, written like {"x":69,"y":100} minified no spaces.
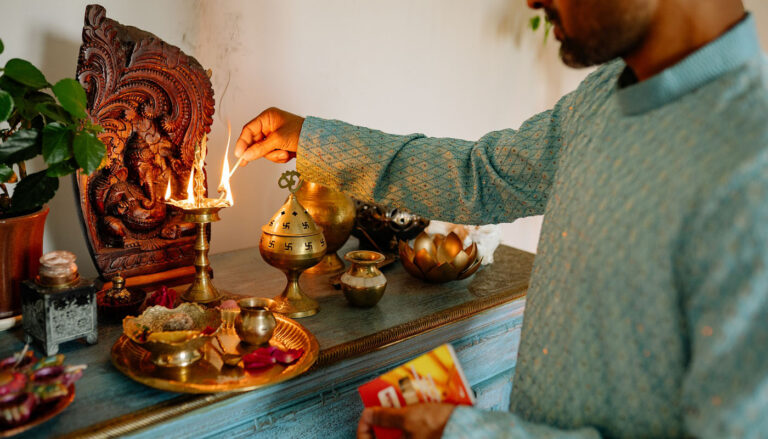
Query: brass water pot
{"x":363,"y":284}
{"x":335,"y":213}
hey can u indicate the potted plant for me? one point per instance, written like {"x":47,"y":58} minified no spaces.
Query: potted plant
{"x":36,"y":119}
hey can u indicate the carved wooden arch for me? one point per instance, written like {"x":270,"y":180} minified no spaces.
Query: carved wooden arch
{"x":155,"y":103}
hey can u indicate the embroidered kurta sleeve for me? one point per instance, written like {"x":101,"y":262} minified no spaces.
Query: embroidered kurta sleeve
{"x":502,"y":176}
{"x":724,"y":276}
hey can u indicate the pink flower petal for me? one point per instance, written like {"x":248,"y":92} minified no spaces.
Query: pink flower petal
{"x":288,"y":356}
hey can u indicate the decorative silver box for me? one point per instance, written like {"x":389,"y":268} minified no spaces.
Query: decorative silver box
{"x":52,"y":316}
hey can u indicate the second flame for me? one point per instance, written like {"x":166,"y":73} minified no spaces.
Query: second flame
{"x":225,"y":174}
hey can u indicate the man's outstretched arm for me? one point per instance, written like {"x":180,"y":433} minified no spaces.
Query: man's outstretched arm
{"x":502,"y":176}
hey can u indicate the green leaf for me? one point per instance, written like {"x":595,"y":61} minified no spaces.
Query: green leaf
{"x":72,"y":97}
{"x":535,"y":22}
{"x":39,"y":97}
{"x":6,"y":173}
{"x":26,"y":108}
{"x":6,"y":105}
{"x":33,"y":191}
{"x":89,"y":151}
{"x":2,"y":47}
{"x":95,"y":128}
{"x":60,"y":169}
{"x":25,"y":73}
{"x":57,"y":143}
{"x":54,"y":112}
{"x":15,"y":88}
{"x":22,"y":145}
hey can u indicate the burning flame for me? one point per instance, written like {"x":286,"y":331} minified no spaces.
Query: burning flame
{"x":191,"y":188}
{"x":168,"y":190}
{"x":225,"y":173}
{"x":197,"y":181}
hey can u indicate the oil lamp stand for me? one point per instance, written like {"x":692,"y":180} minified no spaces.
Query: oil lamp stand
{"x":202,"y":289}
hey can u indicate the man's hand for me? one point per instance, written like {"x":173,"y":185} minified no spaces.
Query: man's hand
{"x":421,"y":421}
{"x":273,"y":134}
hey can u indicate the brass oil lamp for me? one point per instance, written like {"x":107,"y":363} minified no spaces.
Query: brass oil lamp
{"x":292,"y":242}
{"x":202,"y":211}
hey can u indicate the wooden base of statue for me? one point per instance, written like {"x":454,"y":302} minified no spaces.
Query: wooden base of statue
{"x":155,"y":104}
{"x":171,"y":278}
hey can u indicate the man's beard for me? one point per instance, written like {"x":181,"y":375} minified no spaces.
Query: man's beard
{"x":611,"y":39}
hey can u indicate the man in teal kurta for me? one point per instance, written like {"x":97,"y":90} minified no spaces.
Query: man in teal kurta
{"x":647,"y":312}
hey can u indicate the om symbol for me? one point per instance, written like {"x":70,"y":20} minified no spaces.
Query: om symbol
{"x":290,"y":180}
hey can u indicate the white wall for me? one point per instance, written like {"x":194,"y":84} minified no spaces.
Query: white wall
{"x":442,"y":67}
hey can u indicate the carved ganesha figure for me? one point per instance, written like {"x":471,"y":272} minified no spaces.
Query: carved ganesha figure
{"x":155,"y":104}
{"x":128,"y":195}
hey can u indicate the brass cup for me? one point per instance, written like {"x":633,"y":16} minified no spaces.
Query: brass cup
{"x":363,"y":284}
{"x":256,"y":323}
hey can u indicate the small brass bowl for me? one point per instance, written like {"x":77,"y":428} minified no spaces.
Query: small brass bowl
{"x":172,"y":348}
{"x":439,"y":258}
{"x":363,"y":284}
{"x":256,"y":323}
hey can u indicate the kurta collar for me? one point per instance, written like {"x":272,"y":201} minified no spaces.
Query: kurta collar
{"x":731,"y":50}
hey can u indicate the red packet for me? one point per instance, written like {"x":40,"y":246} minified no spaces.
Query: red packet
{"x":433,"y":377}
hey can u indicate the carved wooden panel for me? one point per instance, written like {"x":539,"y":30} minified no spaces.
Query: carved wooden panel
{"x":155,"y":103}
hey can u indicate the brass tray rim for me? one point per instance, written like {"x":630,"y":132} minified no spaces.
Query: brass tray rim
{"x":306,"y":362}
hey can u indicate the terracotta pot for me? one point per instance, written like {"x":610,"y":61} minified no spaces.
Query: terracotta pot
{"x":335,"y":213}
{"x":20,"y":251}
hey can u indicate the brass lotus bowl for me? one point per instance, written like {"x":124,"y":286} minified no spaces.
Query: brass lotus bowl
{"x":173,"y":337}
{"x":439,"y":258}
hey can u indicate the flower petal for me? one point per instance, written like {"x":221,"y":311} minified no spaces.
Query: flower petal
{"x":423,"y":241}
{"x":424,"y":260}
{"x":442,"y":273}
{"x":471,"y":270}
{"x":410,"y":267}
{"x":451,"y":246}
{"x":461,"y":261}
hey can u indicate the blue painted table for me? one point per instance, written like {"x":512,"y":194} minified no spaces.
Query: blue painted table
{"x":481,"y":316}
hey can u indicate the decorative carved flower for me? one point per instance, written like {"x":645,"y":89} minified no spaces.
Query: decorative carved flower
{"x":439,"y":258}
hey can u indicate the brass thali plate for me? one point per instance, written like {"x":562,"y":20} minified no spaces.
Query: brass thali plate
{"x":203,"y":377}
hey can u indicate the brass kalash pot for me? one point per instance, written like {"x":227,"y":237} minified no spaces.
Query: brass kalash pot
{"x":292,"y":242}
{"x":335,"y":213}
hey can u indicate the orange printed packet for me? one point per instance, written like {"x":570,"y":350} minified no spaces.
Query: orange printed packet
{"x":433,"y":377}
